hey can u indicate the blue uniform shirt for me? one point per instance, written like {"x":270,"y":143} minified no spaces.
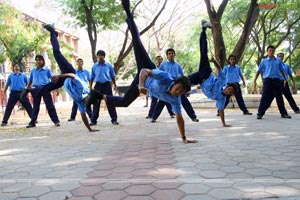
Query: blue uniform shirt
{"x":78,"y":90}
{"x":159,"y":85}
{"x":84,"y":75}
{"x":173,"y":68}
{"x":40,"y":77}
{"x":271,"y":68}
{"x":17,"y":81}
{"x":232,"y":73}
{"x":287,"y":70}
{"x":213,"y":88}
{"x":102,"y":72}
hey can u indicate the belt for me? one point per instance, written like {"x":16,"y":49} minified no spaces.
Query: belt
{"x":103,"y":83}
{"x":277,"y":79}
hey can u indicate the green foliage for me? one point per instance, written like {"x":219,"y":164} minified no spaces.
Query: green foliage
{"x":297,"y":82}
{"x":18,"y":37}
{"x":106,"y":14}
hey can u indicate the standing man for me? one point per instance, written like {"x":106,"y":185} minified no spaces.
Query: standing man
{"x":234,"y":74}
{"x":39,"y":77}
{"x":154,"y":100}
{"x":175,"y":69}
{"x":286,"y":90}
{"x":271,"y":69}
{"x":85,"y":76}
{"x":103,"y":74}
{"x":17,"y":82}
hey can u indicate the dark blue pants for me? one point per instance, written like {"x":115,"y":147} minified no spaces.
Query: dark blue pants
{"x":239,"y":100}
{"x":153,"y":107}
{"x":104,"y":88}
{"x":271,"y":88}
{"x":14,"y":97}
{"x":37,"y":94}
{"x":289,"y":97}
{"x":142,"y":60}
{"x":204,"y":70}
{"x":74,"y":111}
{"x":185,"y":104}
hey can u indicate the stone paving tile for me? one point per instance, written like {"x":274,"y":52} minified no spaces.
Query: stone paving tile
{"x":249,"y":160}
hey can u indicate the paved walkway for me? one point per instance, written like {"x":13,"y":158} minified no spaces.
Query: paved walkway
{"x":138,"y":160}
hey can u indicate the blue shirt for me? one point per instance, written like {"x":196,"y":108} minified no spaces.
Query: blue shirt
{"x":159,"y":85}
{"x":84,"y":75}
{"x":40,"y":77}
{"x":232,"y":73}
{"x":102,"y":72}
{"x":271,"y":68}
{"x":173,"y":68}
{"x":17,"y":81}
{"x":78,"y":90}
{"x":287,"y":70}
{"x":213,"y":88}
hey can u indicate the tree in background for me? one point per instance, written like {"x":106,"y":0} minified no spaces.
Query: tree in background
{"x":19,"y":35}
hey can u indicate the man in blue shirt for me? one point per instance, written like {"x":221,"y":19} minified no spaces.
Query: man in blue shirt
{"x":39,"y":77}
{"x":175,"y":70}
{"x":286,"y":90}
{"x":103,"y":74}
{"x":271,"y":69}
{"x":17,"y":81}
{"x":213,"y":87}
{"x":234,"y":74}
{"x":75,"y":87}
{"x":154,"y":100}
{"x":159,"y":83}
{"x":85,"y":76}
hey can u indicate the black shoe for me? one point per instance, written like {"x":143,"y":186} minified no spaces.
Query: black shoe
{"x":153,"y":121}
{"x":195,"y":120}
{"x":297,"y":112}
{"x":49,"y":27}
{"x":286,"y":116}
{"x":24,"y":93}
{"x":4,"y":124}
{"x":217,"y":114}
{"x":93,"y":123}
{"x":57,"y":124}
{"x":30,"y":126}
{"x":71,"y":119}
{"x":148,"y":117}
{"x":247,"y":113}
{"x":172,"y":116}
{"x":259,"y":116}
{"x":115,"y":123}
{"x":206,"y":24}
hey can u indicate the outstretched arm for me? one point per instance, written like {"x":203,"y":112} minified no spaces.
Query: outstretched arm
{"x":56,"y":78}
{"x":86,"y":122}
{"x":180,"y":124}
{"x":222,"y":117}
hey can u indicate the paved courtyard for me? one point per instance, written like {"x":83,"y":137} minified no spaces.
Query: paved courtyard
{"x":139,"y":160}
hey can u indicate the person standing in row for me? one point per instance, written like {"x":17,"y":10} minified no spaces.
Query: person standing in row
{"x":154,"y":100}
{"x":286,"y":90}
{"x":272,"y":69}
{"x":234,"y":74}
{"x":17,"y":81}
{"x":104,"y":75}
{"x":39,"y":77}
{"x":85,"y":76}
{"x":175,"y":69}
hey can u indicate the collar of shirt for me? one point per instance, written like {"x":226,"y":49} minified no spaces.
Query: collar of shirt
{"x":268,"y":58}
{"x":17,"y":74}
{"x":169,"y":88}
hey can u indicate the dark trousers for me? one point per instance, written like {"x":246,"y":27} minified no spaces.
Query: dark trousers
{"x":14,"y":97}
{"x":37,"y":94}
{"x":142,"y":60}
{"x":271,"y":88}
{"x":153,"y":104}
{"x":239,"y":100}
{"x":74,"y":111}
{"x":204,"y":69}
{"x":185,"y":104}
{"x":104,"y":88}
{"x":289,"y":97}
